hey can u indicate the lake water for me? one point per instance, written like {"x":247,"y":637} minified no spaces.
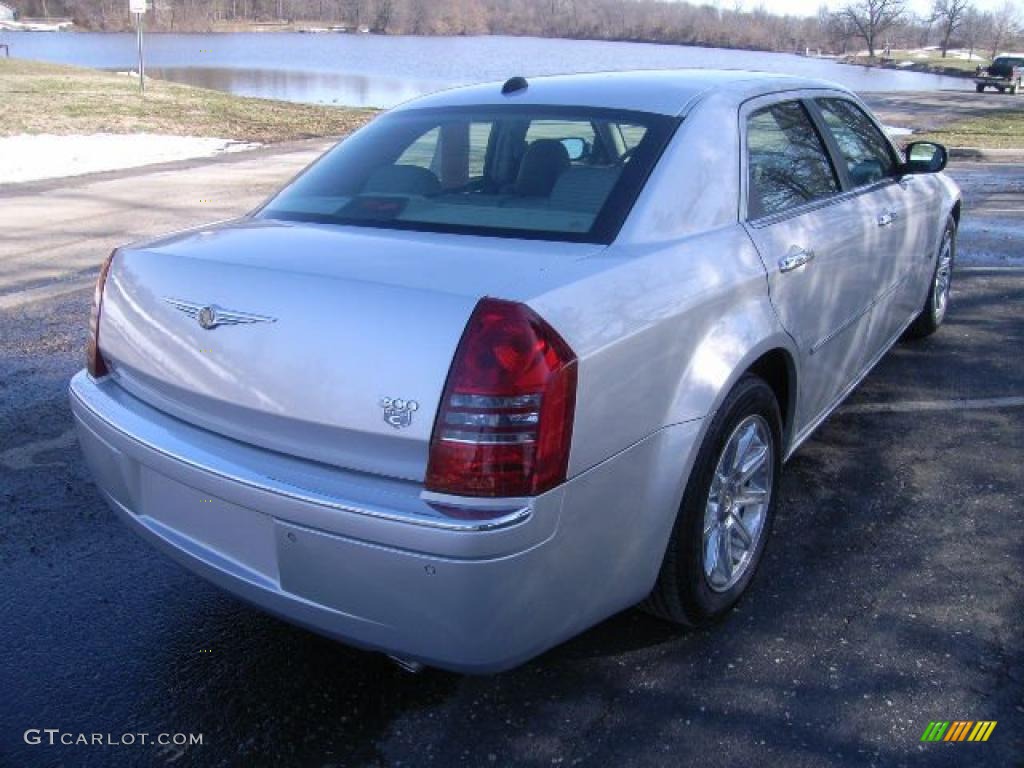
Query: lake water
{"x":381,"y":71}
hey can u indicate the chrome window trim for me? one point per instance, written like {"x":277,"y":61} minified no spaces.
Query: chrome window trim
{"x":824,"y":202}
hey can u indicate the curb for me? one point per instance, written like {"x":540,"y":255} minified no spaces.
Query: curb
{"x":987,"y":155}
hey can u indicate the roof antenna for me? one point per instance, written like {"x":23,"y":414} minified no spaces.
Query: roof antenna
{"x":514,"y":84}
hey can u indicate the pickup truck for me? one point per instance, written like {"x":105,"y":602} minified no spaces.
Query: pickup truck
{"x":1004,"y":74}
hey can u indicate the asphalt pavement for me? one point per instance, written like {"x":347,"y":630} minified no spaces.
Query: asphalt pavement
{"x":892,"y":593}
{"x":926,"y":110}
{"x":54,"y":233}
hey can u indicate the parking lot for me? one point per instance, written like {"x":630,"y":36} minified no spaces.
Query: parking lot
{"x":891,"y":595}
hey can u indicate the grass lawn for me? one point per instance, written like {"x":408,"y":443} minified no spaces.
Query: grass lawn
{"x":999,"y":129}
{"x":931,"y":61}
{"x":57,"y":99}
{"x":934,"y":59}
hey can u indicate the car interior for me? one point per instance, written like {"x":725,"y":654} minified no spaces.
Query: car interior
{"x":567,"y":166}
{"x":536,"y":172}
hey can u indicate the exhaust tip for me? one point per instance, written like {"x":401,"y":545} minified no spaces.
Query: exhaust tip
{"x":407,"y":665}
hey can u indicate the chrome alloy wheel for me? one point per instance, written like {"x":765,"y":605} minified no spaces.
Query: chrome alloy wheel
{"x":737,"y":505}
{"x":943,"y":278}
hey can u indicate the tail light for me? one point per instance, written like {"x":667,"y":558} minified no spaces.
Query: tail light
{"x":94,"y":361}
{"x":505,"y":423}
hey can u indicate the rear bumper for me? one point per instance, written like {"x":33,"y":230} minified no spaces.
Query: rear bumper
{"x":366,"y":560}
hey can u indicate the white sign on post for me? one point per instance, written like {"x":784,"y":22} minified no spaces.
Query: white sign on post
{"x":138,"y":9}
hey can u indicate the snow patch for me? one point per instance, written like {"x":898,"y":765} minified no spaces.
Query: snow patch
{"x":44,"y":156}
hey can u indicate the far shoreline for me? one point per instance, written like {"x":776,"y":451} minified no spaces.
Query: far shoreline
{"x":895,"y":64}
{"x":314,"y":29}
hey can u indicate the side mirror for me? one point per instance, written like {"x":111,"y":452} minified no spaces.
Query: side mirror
{"x":577,"y":148}
{"x":925,"y":157}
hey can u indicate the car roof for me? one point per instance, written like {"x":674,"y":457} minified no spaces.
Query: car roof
{"x":662,"y":91}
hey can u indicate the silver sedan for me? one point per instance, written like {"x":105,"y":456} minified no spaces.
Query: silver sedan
{"x":514,"y":357}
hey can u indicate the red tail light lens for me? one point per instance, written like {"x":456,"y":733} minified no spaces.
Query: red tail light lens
{"x":94,"y":362}
{"x":505,"y":423}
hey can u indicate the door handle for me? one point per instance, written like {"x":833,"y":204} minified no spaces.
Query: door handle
{"x":796,"y":258}
{"x":886,"y":218}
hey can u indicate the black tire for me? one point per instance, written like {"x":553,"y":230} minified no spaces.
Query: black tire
{"x":1013,"y":89}
{"x":933,"y":313}
{"x":979,"y":88}
{"x":683,"y":593}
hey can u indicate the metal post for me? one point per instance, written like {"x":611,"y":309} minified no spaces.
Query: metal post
{"x":142,"y":66}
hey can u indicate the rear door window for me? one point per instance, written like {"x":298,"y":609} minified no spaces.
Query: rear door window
{"x":787,"y":164}
{"x":869,"y":157}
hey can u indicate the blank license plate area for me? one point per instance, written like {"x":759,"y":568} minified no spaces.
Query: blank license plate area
{"x":237,"y":533}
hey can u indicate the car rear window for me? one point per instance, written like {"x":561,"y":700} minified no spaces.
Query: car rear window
{"x":558,"y":173}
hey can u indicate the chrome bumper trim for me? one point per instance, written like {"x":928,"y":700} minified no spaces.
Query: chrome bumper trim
{"x":278,"y":487}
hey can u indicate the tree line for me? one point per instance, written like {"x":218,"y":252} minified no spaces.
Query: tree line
{"x":874,"y":25}
{"x":886,"y":24}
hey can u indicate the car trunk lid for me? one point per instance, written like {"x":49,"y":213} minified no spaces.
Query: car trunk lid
{"x":324,"y":342}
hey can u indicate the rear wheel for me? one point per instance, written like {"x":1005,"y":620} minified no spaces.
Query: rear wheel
{"x":935,"y":306}
{"x":1013,"y":89}
{"x":979,"y":88}
{"x":727,"y":510}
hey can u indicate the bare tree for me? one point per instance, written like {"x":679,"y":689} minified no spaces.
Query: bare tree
{"x":921,"y":28}
{"x":873,"y":18}
{"x":835,"y":30}
{"x":1005,"y":24}
{"x":743,"y":24}
{"x":383,"y":13}
{"x":950,"y":14}
{"x":418,"y":13}
{"x":352,"y":13}
{"x":975,"y":26}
